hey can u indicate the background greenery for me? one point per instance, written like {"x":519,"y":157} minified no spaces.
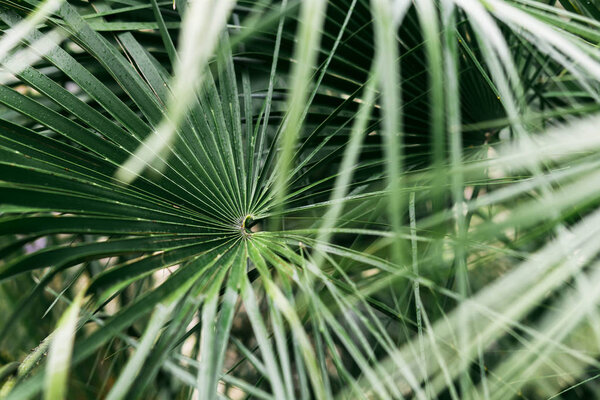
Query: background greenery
{"x":299,"y":199}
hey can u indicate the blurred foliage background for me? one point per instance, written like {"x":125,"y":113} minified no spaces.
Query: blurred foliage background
{"x":299,"y":199}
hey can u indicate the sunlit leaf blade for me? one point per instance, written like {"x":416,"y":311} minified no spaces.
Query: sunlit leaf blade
{"x":59,"y":353}
{"x":291,"y":199}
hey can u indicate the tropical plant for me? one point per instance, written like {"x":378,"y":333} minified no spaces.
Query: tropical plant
{"x":290,"y":199}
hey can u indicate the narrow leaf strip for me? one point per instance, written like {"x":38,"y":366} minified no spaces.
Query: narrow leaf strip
{"x":59,"y":355}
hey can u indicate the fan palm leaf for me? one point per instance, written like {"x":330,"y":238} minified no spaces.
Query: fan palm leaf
{"x":279,"y":200}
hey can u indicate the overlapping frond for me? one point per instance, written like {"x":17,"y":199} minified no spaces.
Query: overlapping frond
{"x":280,"y":200}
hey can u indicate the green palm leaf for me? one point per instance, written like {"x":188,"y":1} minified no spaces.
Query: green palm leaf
{"x":280,"y":200}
